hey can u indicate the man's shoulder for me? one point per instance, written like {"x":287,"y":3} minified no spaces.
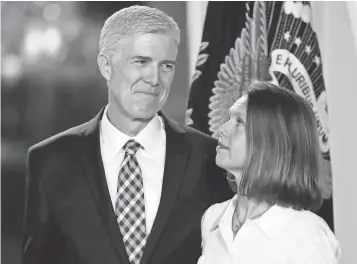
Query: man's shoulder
{"x":199,"y":140}
{"x":60,"y":140}
{"x":195,"y":134}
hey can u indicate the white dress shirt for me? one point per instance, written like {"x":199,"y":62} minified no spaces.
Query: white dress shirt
{"x":280,"y":236}
{"x":151,"y":160}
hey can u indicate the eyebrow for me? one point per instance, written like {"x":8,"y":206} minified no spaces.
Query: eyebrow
{"x":150,"y":59}
{"x":140,"y":58}
{"x":168,"y":62}
{"x":238,"y":113}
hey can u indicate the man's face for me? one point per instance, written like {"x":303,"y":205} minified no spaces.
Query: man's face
{"x":142,"y":75}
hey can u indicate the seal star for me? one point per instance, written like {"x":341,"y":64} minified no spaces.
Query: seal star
{"x":317,"y":61}
{"x":287,"y":36}
{"x":308,"y":49}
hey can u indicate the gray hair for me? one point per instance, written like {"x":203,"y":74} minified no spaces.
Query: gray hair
{"x":132,"y":20}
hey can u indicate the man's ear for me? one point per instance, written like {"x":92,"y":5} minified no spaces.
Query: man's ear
{"x":104,"y":66}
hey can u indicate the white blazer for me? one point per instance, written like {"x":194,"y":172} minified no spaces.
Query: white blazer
{"x":280,"y":236}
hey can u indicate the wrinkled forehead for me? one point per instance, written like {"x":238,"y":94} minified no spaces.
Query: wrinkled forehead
{"x":240,"y":106}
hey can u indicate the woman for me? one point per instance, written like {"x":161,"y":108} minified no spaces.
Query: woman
{"x":270,"y":145}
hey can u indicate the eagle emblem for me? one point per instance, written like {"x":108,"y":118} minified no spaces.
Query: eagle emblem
{"x":246,"y":61}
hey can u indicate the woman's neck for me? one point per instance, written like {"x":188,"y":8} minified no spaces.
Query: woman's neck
{"x":247,"y":208}
{"x":250,"y":208}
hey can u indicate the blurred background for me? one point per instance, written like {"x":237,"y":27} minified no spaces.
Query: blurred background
{"x":50,"y":82}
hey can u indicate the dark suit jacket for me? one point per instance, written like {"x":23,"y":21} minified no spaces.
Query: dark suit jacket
{"x":69,"y":216}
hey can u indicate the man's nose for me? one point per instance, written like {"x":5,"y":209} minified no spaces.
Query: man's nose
{"x":153,"y":75}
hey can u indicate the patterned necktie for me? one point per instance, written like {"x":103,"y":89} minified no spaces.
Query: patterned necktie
{"x":130,"y":204}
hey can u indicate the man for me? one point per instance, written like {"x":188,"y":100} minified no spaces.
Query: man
{"x":131,"y":185}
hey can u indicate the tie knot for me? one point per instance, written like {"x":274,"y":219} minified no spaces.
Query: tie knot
{"x":131,"y":147}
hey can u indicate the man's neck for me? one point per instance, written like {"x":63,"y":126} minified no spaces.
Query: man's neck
{"x":130,"y":127}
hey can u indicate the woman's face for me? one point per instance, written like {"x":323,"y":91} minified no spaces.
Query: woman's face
{"x":231,"y":149}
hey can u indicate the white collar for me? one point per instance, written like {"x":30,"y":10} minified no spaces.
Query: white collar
{"x":114,"y":139}
{"x":271,"y":223}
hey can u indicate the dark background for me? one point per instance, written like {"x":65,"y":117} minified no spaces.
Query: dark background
{"x":50,"y":82}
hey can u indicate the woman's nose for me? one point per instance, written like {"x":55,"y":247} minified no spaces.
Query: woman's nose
{"x":222,"y":130}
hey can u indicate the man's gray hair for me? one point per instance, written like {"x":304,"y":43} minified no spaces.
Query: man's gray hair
{"x":132,"y":20}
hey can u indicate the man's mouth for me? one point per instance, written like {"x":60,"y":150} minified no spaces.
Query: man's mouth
{"x":147,"y":93}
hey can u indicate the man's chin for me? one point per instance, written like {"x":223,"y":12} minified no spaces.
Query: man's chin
{"x":145,"y":115}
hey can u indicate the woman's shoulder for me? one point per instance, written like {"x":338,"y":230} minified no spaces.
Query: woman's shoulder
{"x":311,"y":230}
{"x":300,"y":219}
{"x":218,"y":208}
{"x":317,"y":237}
{"x":310,"y":221}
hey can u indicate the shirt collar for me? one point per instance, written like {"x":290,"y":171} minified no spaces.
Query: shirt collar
{"x":271,"y":223}
{"x":151,"y":131}
{"x":114,"y":139}
{"x":224,"y":223}
{"x":274,"y":220}
{"x":225,"y":218}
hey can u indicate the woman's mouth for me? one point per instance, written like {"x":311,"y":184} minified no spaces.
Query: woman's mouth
{"x":221,"y":145}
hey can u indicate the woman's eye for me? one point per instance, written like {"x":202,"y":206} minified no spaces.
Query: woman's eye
{"x":239,"y":122}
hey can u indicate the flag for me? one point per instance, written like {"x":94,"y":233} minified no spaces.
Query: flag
{"x":246,"y":41}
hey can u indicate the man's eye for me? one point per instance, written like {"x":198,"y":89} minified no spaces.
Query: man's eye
{"x":140,"y":62}
{"x":167,"y":67}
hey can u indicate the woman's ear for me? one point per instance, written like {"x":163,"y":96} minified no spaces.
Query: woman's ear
{"x":104,"y":66}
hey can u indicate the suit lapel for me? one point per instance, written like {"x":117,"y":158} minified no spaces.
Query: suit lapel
{"x":177,"y":154}
{"x":96,"y":179}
